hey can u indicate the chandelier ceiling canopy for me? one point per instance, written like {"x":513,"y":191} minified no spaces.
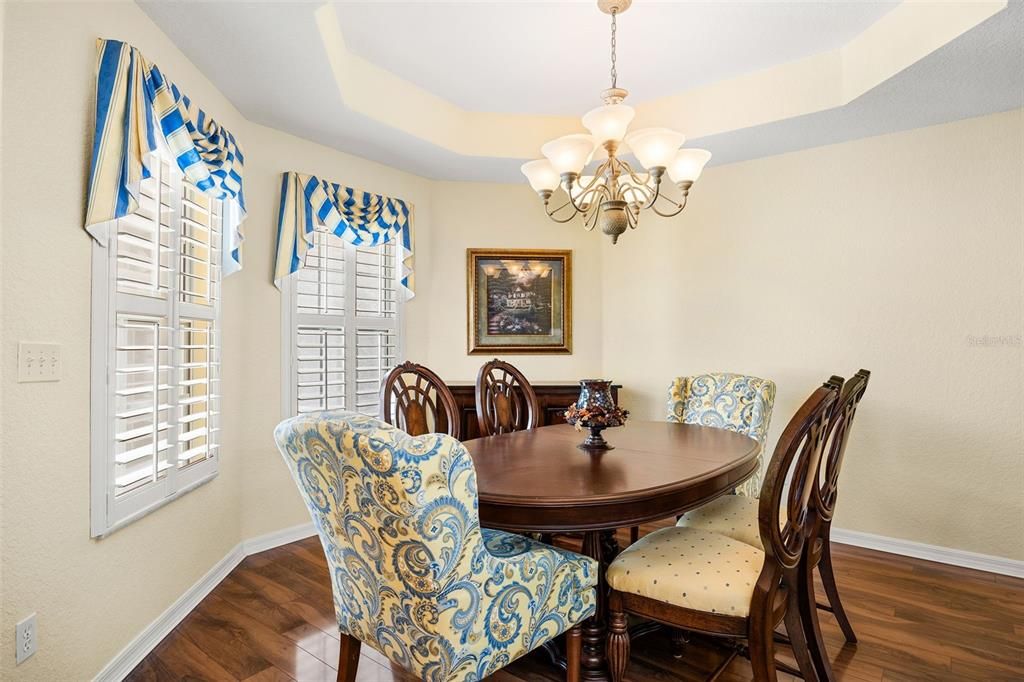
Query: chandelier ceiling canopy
{"x":615,"y":194}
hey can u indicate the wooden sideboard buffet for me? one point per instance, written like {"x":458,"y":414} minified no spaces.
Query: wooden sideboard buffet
{"x":553,"y":399}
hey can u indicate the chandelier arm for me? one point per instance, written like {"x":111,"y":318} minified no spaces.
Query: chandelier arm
{"x":603,"y":191}
{"x":679,"y":207}
{"x":551,"y":212}
{"x":595,"y":187}
{"x":645,"y":192}
{"x":572,"y":202}
{"x":657,"y":195}
{"x":597,"y":196}
{"x":637,"y":178}
{"x":598,"y":175}
{"x":632,"y":216}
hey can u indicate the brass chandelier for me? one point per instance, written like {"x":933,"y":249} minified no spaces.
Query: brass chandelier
{"x":616,"y":193}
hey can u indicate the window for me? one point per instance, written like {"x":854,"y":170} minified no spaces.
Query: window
{"x":156,"y":351}
{"x":342,"y":321}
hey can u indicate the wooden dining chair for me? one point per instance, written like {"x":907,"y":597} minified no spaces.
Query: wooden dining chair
{"x":820,"y":550}
{"x":413,"y":574}
{"x":505,"y":400}
{"x":703,"y":581}
{"x":417,"y":401}
{"x":736,"y":516}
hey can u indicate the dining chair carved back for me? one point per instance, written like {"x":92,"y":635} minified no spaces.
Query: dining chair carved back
{"x":416,"y":400}
{"x":699,"y":580}
{"x":412,"y":572}
{"x":724,"y":400}
{"x":505,"y":400}
{"x":825,"y":493}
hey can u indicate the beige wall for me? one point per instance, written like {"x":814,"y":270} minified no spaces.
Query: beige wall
{"x":886,"y":253}
{"x":91,"y":597}
{"x":483,"y":215}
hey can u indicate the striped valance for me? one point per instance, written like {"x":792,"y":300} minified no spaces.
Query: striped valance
{"x":358,"y":217}
{"x":138,"y":113}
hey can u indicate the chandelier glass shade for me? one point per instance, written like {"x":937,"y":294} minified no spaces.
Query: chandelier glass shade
{"x":615,"y":193}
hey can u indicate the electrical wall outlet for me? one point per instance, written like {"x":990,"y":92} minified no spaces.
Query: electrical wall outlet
{"x":39,"y":362}
{"x":25,"y":640}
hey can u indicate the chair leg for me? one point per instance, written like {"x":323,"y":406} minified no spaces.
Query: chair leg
{"x":828,"y":579}
{"x":761,"y":640}
{"x":795,"y":626}
{"x":617,"y":649}
{"x":573,"y":652}
{"x":634,"y":534}
{"x":808,"y":607}
{"x":348,"y":659}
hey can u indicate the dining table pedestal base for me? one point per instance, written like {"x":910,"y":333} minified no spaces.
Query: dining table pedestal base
{"x":601,"y":546}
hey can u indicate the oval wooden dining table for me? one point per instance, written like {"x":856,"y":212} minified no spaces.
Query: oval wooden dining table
{"x":539,"y":480}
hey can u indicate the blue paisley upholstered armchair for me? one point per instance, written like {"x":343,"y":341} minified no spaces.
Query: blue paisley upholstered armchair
{"x":413,"y":574}
{"x":726,"y":401}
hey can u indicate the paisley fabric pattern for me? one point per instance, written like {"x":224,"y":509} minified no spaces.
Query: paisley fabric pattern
{"x":726,"y":401}
{"x":413,"y":574}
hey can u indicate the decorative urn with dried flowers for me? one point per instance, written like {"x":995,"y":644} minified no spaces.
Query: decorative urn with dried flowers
{"x":595,"y":410}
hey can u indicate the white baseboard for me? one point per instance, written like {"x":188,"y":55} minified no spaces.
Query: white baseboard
{"x":279,"y":537}
{"x":919,"y":550}
{"x":129,"y":657}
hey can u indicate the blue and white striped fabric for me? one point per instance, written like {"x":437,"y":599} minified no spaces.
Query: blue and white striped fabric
{"x":358,"y":217}
{"x":140,"y":112}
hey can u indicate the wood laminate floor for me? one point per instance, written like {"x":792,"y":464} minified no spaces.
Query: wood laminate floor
{"x":272,"y":619}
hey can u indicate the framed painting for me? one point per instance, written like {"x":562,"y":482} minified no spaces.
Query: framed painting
{"x":520,"y":301}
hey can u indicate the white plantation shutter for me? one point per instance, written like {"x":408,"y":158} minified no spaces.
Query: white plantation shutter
{"x":200,"y":235}
{"x":142,"y":402}
{"x":376,"y":354}
{"x":320,"y":285}
{"x":320,"y":368}
{"x":341,"y":326}
{"x":144,"y":248}
{"x":156,"y":351}
{"x":198,"y":400}
{"x":376,"y":282}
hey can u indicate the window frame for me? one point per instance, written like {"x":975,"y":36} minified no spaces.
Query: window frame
{"x":110,"y":512}
{"x":350,"y":323}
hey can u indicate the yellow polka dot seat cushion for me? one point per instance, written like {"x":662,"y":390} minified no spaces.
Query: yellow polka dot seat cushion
{"x":734,"y":516}
{"x":695,"y":569}
{"x":413,"y":574}
{"x":726,"y":401}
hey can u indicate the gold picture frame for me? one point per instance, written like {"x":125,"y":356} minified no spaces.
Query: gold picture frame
{"x":519,"y":301}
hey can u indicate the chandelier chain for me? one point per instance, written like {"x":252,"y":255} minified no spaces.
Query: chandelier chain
{"x":615,"y":74}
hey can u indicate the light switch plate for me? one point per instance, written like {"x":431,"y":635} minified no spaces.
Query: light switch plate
{"x":39,"y":362}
